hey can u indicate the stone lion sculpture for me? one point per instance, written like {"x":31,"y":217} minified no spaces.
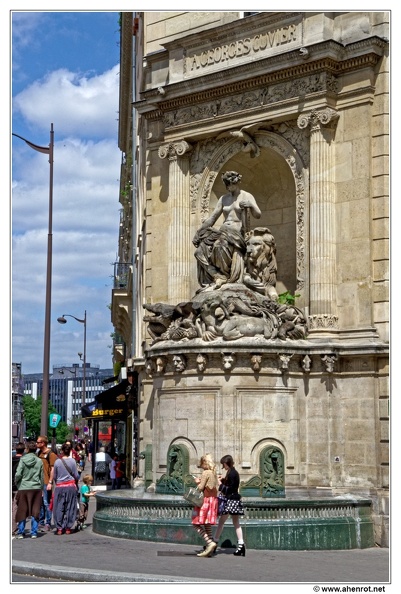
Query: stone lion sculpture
{"x":260,"y":262}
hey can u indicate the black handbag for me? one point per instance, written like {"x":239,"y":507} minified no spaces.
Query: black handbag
{"x":221,"y":504}
{"x":221,"y":500}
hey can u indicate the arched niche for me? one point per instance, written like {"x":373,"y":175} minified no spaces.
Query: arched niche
{"x":277,"y":179}
{"x":177,"y":478}
{"x":270,"y":482}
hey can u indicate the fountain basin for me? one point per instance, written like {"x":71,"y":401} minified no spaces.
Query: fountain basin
{"x":268,"y":524}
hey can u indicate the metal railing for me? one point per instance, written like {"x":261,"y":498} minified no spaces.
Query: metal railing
{"x":121,"y":275}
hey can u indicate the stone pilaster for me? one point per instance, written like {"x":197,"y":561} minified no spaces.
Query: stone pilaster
{"x":322,"y":219}
{"x":179,"y":232}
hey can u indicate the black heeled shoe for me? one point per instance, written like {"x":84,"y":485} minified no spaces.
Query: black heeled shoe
{"x":240,"y":551}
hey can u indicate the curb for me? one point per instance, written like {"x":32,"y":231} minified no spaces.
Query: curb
{"x":91,"y":575}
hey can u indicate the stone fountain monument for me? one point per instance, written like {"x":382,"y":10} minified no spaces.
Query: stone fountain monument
{"x":233,"y":371}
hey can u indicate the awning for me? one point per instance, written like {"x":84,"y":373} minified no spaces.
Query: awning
{"x":114,"y":394}
{"x":109,"y":404}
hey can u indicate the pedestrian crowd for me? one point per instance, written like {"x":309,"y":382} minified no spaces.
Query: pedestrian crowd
{"x":45,"y":487}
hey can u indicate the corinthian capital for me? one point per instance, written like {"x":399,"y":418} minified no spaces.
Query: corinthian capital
{"x":317,"y":118}
{"x":173,"y":150}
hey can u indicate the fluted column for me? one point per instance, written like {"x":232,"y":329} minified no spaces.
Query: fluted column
{"x":322,"y":218}
{"x":179,"y":242}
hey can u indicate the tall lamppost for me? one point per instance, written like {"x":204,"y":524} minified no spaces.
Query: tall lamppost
{"x":44,"y":423}
{"x":62,"y":320}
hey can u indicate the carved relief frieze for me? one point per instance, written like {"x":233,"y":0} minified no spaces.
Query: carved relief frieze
{"x":259,"y":362}
{"x":322,"y":82}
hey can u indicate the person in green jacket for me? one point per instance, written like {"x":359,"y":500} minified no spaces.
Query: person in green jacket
{"x":29,"y":481}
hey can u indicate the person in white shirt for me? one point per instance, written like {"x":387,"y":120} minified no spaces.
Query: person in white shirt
{"x":102,"y":462}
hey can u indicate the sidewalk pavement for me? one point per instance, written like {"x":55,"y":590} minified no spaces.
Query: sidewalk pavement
{"x":88,"y":557}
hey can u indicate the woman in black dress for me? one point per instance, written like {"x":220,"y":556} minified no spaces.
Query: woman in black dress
{"x":232,"y":505}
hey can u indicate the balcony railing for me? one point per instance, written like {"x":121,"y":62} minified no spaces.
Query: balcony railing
{"x":121,"y":275}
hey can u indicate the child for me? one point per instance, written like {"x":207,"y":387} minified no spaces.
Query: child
{"x":86,"y":492}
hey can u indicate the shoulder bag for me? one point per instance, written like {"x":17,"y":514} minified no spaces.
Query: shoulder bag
{"x":194,"y":496}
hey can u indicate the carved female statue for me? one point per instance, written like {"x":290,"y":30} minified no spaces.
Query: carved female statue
{"x":220,"y":252}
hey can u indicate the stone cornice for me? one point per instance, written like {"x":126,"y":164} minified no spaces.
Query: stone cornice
{"x":343,"y":348}
{"x":329,"y":56}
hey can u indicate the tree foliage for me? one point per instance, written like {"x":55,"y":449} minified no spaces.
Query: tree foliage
{"x":33,"y":414}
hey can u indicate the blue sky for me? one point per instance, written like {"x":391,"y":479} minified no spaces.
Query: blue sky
{"x":64,"y":70}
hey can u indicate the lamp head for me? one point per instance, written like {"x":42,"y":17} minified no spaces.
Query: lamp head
{"x":61,"y":320}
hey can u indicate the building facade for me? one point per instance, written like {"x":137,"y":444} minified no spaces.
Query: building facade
{"x":66,"y":387}
{"x":298,"y":104}
{"x":17,"y":394}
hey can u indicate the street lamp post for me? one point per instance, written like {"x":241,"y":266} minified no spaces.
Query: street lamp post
{"x":62,"y":320}
{"x":44,"y":423}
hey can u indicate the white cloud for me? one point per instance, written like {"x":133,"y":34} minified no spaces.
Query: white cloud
{"x":77,"y":104}
{"x":85,"y":218}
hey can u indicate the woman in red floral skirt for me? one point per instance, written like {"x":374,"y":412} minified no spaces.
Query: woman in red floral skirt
{"x":203,"y":518}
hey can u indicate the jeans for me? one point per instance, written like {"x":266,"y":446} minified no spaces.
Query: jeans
{"x":34,"y":527}
{"x":45,"y":513}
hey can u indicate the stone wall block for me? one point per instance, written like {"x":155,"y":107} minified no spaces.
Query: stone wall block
{"x":381,"y":311}
{"x":384,"y":430}
{"x":380,"y":249}
{"x":380,"y":145}
{"x":380,"y":125}
{"x":380,"y":165}
{"x":381,"y":291}
{"x":380,"y":228}
{"x":384,"y":453}
{"x":381,"y":270}
{"x":356,"y":430}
